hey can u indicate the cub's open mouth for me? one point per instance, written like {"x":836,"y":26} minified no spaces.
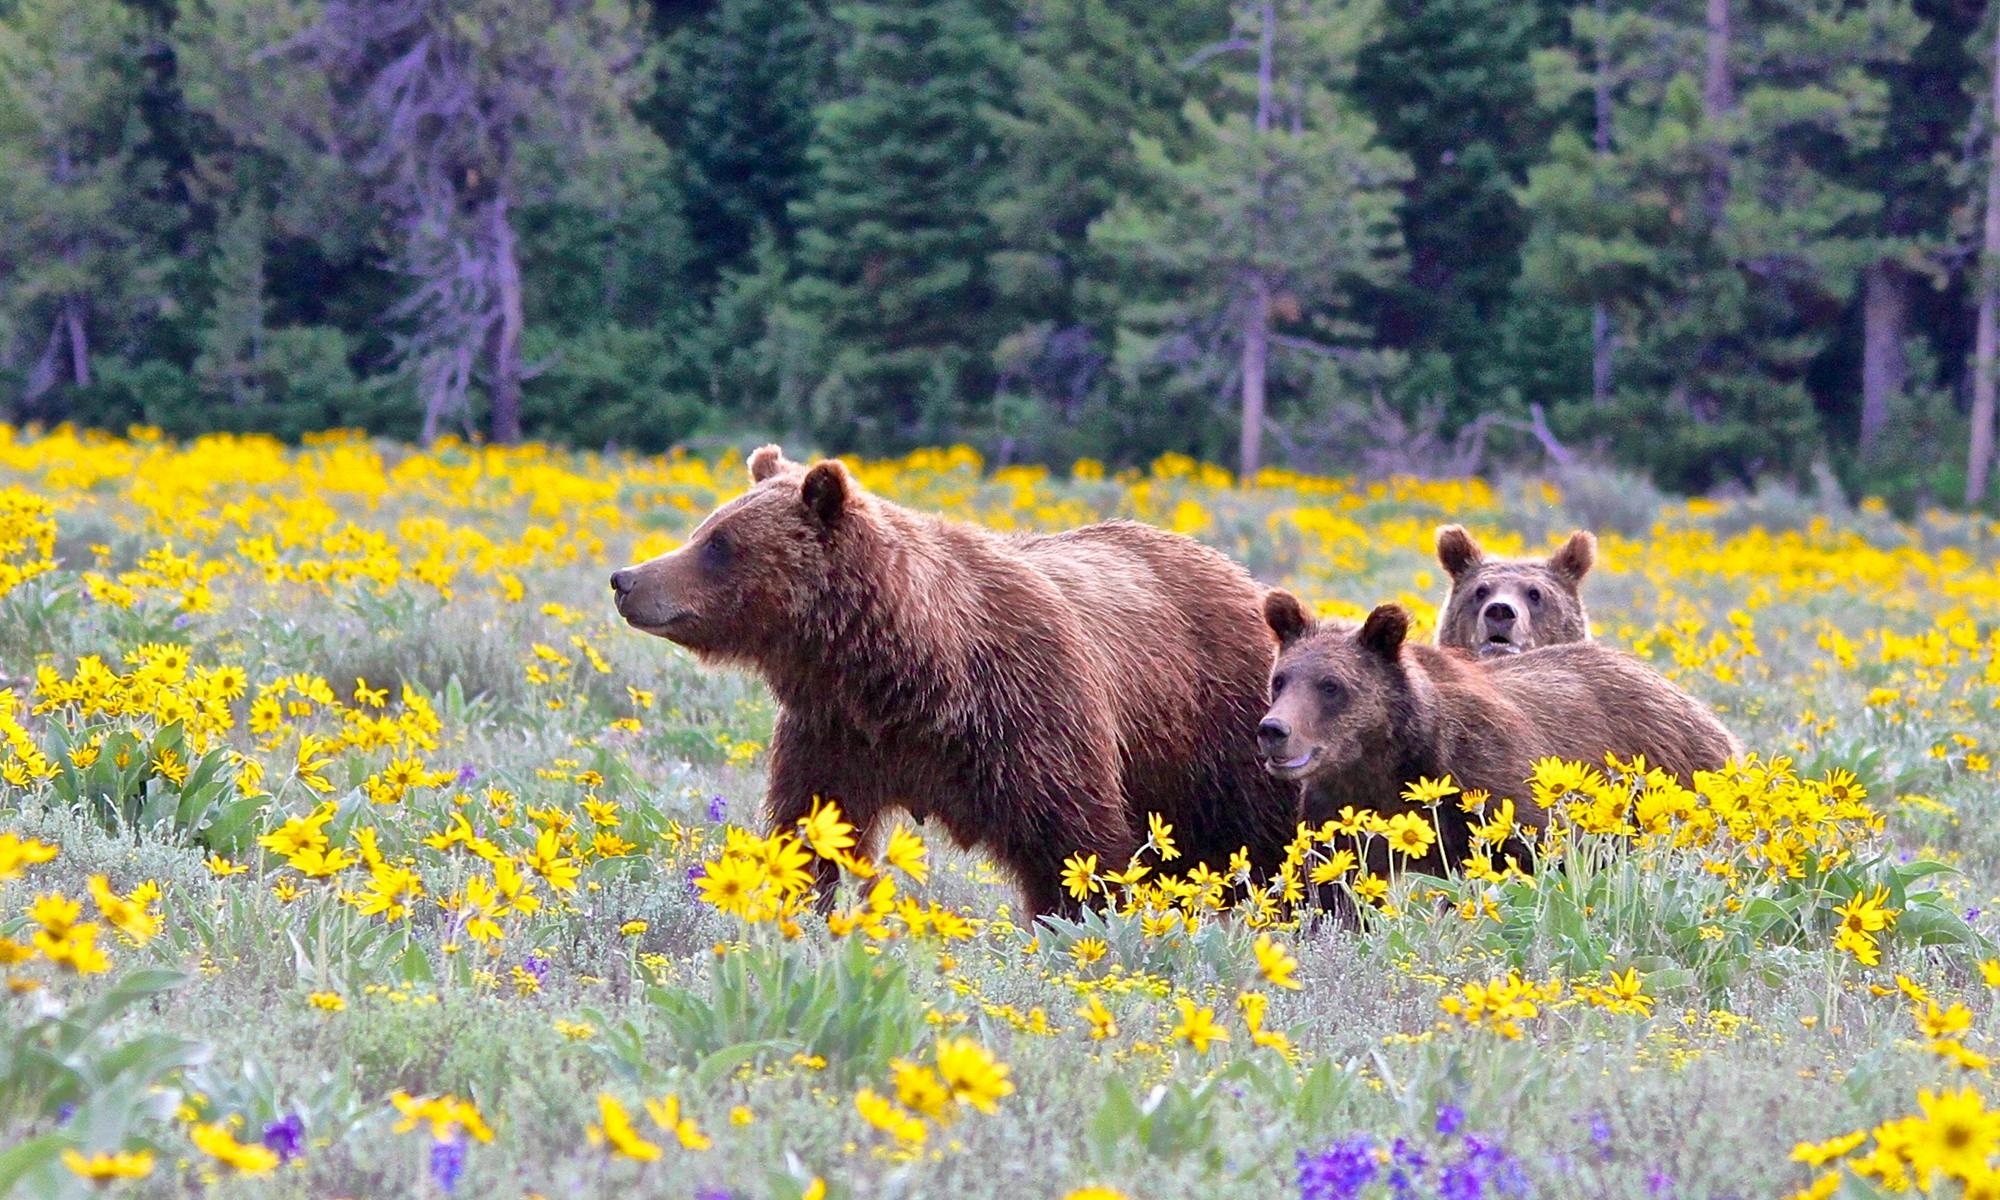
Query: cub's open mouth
{"x":1498,"y":644}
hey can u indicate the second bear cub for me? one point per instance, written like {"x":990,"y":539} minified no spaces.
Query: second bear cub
{"x":1357,"y":715}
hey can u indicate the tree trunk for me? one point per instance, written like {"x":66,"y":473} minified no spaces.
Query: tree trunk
{"x":79,"y":341}
{"x":1256,"y":348}
{"x":1884,"y":307}
{"x":42,"y":376}
{"x":1979,"y":457}
{"x":506,"y":351}
{"x":1601,"y":338}
{"x":1717,"y":96}
{"x":1257,"y":314}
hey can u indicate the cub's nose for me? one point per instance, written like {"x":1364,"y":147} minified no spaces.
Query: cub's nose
{"x":1499,"y":613}
{"x":621,"y":582}
{"x":1271,"y":731}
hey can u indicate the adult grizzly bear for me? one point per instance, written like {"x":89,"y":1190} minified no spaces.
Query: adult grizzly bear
{"x":1357,"y":715}
{"x":1507,"y":605}
{"x":1036,"y":695}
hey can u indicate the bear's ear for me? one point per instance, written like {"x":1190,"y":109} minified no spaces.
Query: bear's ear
{"x":1457,"y":552}
{"x":1288,"y":619}
{"x":766,"y":461}
{"x":827,"y":490}
{"x":1384,"y":630}
{"x":1574,"y":560}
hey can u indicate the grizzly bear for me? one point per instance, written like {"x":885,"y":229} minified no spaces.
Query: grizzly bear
{"x":1507,"y":605}
{"x":1036,"y":695}
{"x":1357,"y":715}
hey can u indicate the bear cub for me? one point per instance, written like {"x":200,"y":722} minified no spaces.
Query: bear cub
{"x":1507,"y":605}
{"x":1357,"y":715}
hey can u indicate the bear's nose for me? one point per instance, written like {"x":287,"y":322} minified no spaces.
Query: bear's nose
{"x":1271,"y":729}
{"x":1500,"y":613}
{"x":621,"y":582}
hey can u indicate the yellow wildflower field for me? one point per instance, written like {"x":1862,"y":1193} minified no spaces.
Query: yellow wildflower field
{"x":350,"y":845}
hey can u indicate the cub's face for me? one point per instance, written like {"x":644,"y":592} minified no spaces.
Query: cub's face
{"x":748,"y":570}
{"x":1505,"y":606}
{"x":1331,"y":689}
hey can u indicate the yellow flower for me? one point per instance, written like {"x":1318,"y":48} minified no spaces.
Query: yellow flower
{"x":1934,"y":1022}
{"x":327,"y":1001}
{"x":1094,"y":1193}
{"x":1818,"y":1154}
{"x":666,"y":1113}
{"x":919,"y":1088}
{"x":216,"y":1141}
{"x":617,"y":1132}
{"x":881,"y":1112}
{"x":1956,"y":1135}
{"x":1088,"y":950}
{"x":974,"y":1076}
{"x":1866,"y":915}
{"x":18,"y":854}
{"x":1162,"y":837}
{"x":1409,"y":834}
{"x":1276,"y":962}
{"x":905,"y":852}
{"x":1429,"y":793}
{"x":1102,"y":1024}
{"x":1079,"y":871}
{"x":829,"y":835}
{"x":102,"y":1167}
{"x":1197,"y":1027}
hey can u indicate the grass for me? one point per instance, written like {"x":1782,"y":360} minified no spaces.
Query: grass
{"x":250,"y":994}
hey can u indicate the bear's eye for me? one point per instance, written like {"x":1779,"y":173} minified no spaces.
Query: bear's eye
{"x":1331,"y":689}
{"x":1481,"y":592}
{"x":715,"y":552}
{"x":1278,"y":683}
{"x":1534,"y":595}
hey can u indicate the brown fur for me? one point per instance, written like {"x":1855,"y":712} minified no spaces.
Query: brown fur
{"x":1507,"y":605}
{"x":1358,"y":714}
{"x":1037,"y":695}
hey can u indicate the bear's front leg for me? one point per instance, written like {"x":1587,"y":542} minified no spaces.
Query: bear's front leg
{"x":800,"y":777}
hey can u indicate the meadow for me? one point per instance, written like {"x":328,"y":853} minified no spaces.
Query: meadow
{"x":351,"y":846}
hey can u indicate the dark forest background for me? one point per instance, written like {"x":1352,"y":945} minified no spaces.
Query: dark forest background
{"x":1711,"y":240}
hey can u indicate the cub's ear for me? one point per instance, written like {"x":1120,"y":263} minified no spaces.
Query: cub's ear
{"x":827,"y":490}
{"x":1288,"y":619}
{"x":1574,"y":560}
{"x":1457,"y":552}
{"x":766,"y":461}
{"x":1384,"y":630}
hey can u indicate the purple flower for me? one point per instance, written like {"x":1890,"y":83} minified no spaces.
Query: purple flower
{"x":715,"y":1194}
{"x":1600,"y":1133}
{"x":1971,"y":915}
{"x":447,"y":1164}
{"x":537,"y":966}
{"x":1338,"y":1172}
{"x":64,"y":1113}
{"x":717,"y":808}
{"x":286,"y":1136}
{"x":695,"y":874}
{"x":1659,"y":1183}
{"x":1450,"y":1119}
{"x":183,"y":621}
{"x":466,"y":774}
{"x":1461,"y":1182}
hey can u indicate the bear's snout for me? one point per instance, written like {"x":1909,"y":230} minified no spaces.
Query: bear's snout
{"x":1273,"y":731}
{"x":621,"y":582}
{"x":1499,"y":614}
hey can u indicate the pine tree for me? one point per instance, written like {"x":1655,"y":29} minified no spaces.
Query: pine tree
{"x":1714,"y":228}
{"x":232,"y":337}
{"x":739,"y":110}
{"x":1256,"y":240}
{"x":1093,"y":73}
{"x":894,"y":240}
{"x":73,"y":197}
{"x":1450,"y":85}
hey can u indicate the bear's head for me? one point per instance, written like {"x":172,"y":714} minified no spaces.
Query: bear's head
{"x":748,"y":573}
{"x":1507,"y":605}
{"x":1334,"y":688}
